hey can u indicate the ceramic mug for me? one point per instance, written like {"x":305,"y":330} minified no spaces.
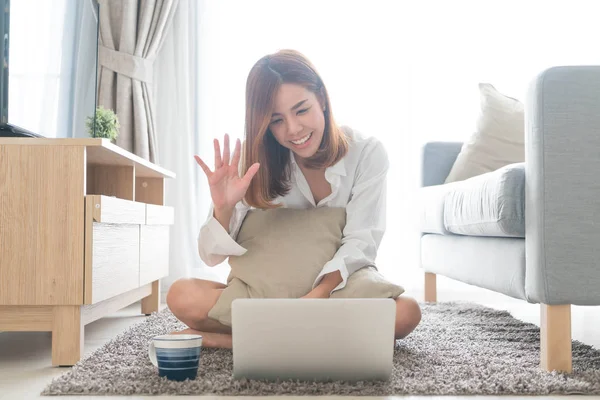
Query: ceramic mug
{"x":177,"y":356}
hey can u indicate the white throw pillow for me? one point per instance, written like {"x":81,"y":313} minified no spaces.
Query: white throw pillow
{"x":499,"y":138}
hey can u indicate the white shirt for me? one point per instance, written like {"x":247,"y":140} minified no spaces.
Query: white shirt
{"x":358,"y":183}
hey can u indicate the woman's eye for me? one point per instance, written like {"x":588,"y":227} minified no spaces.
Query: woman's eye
{"x":276,"y":121}
{"x":303,"y":111}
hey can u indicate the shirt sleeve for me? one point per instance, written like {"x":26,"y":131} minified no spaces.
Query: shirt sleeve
{"x":365,"y":217}
{"x":215,"y":245}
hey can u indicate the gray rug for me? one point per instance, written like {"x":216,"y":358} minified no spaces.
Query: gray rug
{"x":459,"y":349}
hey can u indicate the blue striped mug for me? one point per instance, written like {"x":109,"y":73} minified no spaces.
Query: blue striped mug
{"x":177,"y":356}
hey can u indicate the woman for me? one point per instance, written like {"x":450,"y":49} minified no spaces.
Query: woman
{"x":294,"y":156}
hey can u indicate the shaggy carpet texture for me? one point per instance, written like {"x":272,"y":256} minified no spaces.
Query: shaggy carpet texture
{"x":458,"y":349}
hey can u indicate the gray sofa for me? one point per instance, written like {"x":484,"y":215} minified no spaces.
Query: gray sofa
{"x":528,"y":230}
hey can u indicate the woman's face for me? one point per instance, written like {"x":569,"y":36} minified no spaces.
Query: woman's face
{"x":298,"y":121}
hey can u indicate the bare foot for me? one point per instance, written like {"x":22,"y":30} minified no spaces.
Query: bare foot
{"x":188,"y":331}
{"x":217,"y":340}
{"x":210,"y":339}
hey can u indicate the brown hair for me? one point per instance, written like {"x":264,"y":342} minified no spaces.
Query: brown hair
{"x":264,"y":79}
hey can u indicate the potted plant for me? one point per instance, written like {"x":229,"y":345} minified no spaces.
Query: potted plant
{"x":104,"y":125}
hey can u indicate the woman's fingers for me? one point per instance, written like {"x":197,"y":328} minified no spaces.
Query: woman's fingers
{"x":235,"y":161}
{"x":250,"y":173}
{"x":204,"y":167}
{"x":226,"y":152}
{"x":218,"y":160}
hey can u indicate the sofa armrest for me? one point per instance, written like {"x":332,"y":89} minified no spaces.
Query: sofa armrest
{"x":562,"y":192}
{"x":437,"y":161}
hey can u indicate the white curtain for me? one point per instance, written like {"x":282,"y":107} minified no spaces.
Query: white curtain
{"x":406,"y":72}
{"x":84,"y":77}
{"x":52,"y":58}
{"x":177,"y":94}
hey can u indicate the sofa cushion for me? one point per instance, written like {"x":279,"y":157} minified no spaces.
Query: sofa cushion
{"x":492,"y":204}
{"x":431,"y":202}
{"x":498,"y":140}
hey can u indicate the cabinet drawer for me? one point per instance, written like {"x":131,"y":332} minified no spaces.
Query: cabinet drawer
{"x":117,"y":211}
{"x":154,"y":252}
{"x":115,"y":259}
{"x":159,"y":215}
{"x":112,"y":247}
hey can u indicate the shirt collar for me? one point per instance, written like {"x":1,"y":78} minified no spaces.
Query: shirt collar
{"x":338,"y":168}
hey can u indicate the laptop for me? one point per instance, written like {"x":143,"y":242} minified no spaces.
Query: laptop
{"x":313,"y":339}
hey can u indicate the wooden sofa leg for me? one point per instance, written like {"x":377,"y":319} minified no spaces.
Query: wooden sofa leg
{"x":555,"y":338}
{"x":430,"y":287}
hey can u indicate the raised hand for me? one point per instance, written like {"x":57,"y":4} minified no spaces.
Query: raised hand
{"x":227,"y":188}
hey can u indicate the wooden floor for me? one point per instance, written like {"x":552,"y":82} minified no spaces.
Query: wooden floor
{"x":25,"y":358}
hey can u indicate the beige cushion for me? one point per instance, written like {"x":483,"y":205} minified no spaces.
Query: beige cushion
{"x":287,"y":249}
{"x":499,"y":137}
{"x":367,"y":282}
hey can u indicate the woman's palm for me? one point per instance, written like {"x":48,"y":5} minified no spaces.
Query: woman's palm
{"x":227,"y":188}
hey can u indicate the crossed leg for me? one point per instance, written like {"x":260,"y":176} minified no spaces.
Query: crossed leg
{"x":191,"y":299}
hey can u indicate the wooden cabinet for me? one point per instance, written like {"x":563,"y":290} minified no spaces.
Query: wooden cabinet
{"x":83,"y":233}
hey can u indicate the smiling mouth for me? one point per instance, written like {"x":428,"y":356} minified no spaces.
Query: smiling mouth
{"x":303,"y":140}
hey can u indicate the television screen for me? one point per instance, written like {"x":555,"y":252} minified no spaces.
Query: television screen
{"x":50,"y":65}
